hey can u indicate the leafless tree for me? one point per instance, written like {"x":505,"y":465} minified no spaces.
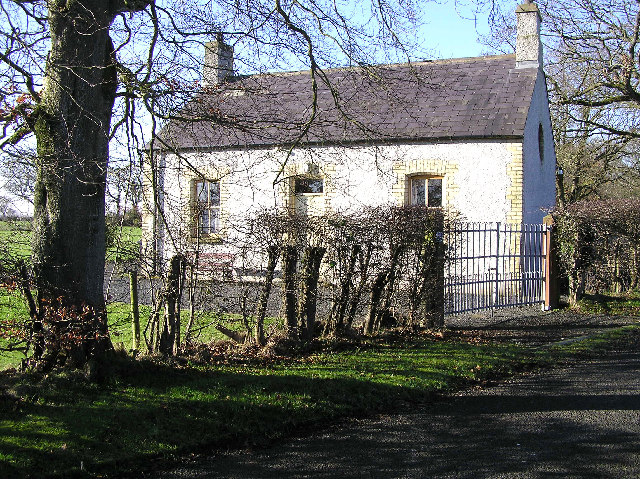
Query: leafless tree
{"x":592,"y":65}
{"x":78,"y":75}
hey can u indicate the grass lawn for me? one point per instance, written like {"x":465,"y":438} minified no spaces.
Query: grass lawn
{"x":64,"y":426}
{"x":203,"y":330}
{"x":13,"y":310}
{"x":626,"y":305}
{"x":54,"y":426}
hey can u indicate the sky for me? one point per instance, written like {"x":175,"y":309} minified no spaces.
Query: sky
{"x":451,"y":33}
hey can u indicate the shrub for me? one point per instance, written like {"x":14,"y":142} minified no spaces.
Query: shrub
{"x":599,"y":245}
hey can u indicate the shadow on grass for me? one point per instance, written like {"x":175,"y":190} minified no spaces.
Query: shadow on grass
{"x":537,"y":427}
{"x":64,"y":423}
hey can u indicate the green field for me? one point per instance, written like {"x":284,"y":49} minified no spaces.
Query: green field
{"x":125,"y":244}
{"x":15,"y":241}
{"x":13,"y":311}
{"x":15,"y":244}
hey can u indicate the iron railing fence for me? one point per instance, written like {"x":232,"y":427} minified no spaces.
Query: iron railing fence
{"x":494,"y":265}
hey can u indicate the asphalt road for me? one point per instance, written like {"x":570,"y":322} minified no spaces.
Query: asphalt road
{"x":576,"y":422}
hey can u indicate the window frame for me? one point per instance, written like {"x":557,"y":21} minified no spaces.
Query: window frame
{"x":198,"y":208}
{"x":425,"y":178}
{"x":294,"y":186}
{"x":293,"y":196}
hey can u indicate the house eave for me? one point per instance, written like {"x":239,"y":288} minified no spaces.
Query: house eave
{"x":346,"y":143}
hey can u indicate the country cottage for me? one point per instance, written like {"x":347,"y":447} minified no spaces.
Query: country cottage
{"x":471,"y":135}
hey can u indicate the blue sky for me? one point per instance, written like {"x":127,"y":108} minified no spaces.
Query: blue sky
{"x":452,"y":33}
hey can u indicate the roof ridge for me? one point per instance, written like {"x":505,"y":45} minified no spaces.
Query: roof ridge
{"x":438,"y":61}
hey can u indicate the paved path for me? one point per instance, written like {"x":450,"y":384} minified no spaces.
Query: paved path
{"x":576,"y":422}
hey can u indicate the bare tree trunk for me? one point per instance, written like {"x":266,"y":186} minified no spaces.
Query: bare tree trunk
{"x":36,"y":340}
{"x":263,"y":302}
{"x":376,"y":294}
{"x":389,"y":285}
{"x":339,"y":310}
{"x":192,"y":306}
{"x":153,"y":344}
{"x":635,"y":270}
{"x":169,"y":338}
{"x":237,"y":336}
{"x":193,"y":282}
{"x":289,"y":266}
{"x":364,"y":274}
{"x":434,"y":288}
{"x":244,"y":310}
{"x":576,"y":274}
{"x":418,"y":286}
{"x":312,"y":260}
{"x":135,"y":312}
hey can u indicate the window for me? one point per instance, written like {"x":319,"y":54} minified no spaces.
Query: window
{"x":541,"y":142}
{"x":426,"y":191}
{"x":307,"y":195}
{"x":309,"y":186}
{"x":207,"y":207}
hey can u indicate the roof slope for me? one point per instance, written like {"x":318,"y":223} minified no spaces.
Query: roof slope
{"x":480,"y":97}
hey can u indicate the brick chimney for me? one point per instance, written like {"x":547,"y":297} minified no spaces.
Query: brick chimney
{"x":528,"y":44}
{"x":218,"y":62}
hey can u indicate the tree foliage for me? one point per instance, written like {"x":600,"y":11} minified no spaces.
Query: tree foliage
{"x":599,"y":245}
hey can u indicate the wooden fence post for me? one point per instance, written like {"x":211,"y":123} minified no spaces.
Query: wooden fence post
{"x":551,"y":290}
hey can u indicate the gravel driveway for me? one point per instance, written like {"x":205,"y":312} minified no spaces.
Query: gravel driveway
{"x":575,"y":422}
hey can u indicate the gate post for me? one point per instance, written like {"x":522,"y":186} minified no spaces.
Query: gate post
{"x":551,"y":290}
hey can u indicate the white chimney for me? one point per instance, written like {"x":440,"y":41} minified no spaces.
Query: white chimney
{"x":528,"y":44}
{"x":218,"y":62}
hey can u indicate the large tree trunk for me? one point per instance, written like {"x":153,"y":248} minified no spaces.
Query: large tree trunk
{"x":71,"y":125}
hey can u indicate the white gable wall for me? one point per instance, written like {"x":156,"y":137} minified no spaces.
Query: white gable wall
{"x":539,"y":191}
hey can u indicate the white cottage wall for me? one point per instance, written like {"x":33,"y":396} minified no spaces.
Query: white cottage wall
{"x":475,"y":186}
{"x":539,"y":192}
{"x":475,"y":175}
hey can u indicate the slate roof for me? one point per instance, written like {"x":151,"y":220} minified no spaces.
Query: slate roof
{"x":484,"y":97}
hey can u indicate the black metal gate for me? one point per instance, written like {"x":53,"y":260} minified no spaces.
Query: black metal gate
{"x":494,"y":265}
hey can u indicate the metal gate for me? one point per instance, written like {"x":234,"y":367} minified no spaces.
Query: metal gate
{"x":494,"y":265}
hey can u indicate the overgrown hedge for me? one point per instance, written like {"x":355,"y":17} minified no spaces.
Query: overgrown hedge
{"x":599,"y":245}
{"x":331,"y":273}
